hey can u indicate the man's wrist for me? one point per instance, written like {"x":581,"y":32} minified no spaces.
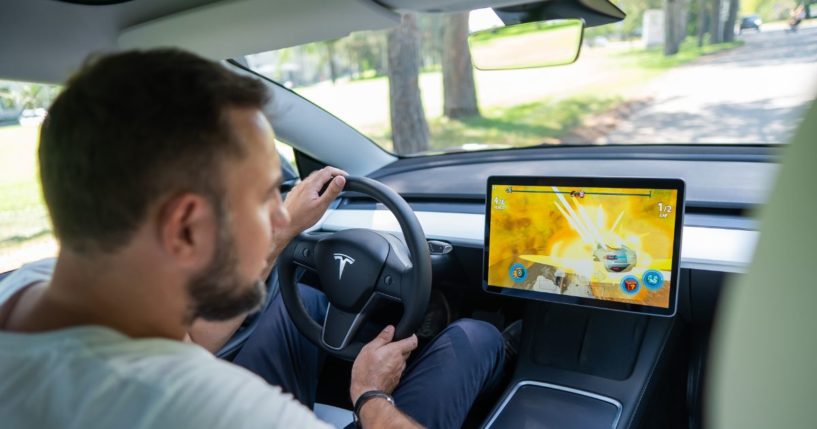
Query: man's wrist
{"x":371,"y":408}
{"x":364,"y":408}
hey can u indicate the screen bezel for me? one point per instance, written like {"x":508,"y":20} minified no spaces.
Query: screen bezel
{"x":587,"y":182}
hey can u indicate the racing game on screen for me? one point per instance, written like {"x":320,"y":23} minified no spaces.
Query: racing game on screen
{"x":613,"y":244}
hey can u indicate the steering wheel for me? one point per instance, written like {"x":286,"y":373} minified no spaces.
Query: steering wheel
{"x":357,"y":268}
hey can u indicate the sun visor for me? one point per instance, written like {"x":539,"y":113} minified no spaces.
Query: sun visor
{"x":593,"y":12}
{"x":234,"y":28}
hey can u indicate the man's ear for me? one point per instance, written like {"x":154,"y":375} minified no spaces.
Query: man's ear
{"x":187,"y":228}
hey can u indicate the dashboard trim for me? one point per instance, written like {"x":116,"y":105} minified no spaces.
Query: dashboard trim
{"x":704,"y":248}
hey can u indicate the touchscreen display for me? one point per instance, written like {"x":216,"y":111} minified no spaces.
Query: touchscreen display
{"x":613,"y":244}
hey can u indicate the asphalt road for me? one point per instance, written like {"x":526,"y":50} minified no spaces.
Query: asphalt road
{"x":756,"y":93}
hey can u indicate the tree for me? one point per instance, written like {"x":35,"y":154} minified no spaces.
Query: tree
{"x":330,"y":59}
{"x":729,"y":26}
{"x":715,"y":23}
{"x":702,"y":22}
{"x":408,"y":122}
{"x":459,"y":90}
{"x":671,"y":39}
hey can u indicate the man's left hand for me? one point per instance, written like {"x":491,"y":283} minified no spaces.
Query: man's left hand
{"x":306,"y":205}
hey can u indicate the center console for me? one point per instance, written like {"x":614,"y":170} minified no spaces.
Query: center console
{"x":585,"y":368}
{"x":597,"y":260}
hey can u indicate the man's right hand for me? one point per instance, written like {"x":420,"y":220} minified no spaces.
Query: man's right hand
{"x":381,"y":363}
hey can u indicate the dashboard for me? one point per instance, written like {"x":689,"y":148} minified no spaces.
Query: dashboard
{"x":610,"y":364}
{"x":724,"y":186}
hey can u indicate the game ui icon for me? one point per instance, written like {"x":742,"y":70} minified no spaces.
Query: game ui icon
{"x":653,"y":279}
{"x":630,"y":285}
{"x":518,"y":273}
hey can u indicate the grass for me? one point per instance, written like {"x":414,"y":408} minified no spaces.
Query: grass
{"x":654,"y":59}
{"x":522,"y":125}
{"x":24,"y":224}
{"x":527,"y":124}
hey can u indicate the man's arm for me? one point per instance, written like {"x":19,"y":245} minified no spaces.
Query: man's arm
{"x":306,"y":206}
{"x":379,"y":366}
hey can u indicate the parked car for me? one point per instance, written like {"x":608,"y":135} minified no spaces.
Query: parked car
{"x":750,"y":22}
{"x":32,"y":117}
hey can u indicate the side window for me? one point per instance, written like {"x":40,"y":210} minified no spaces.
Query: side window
{"x":25,"y":230}
{"x":288,"y":165}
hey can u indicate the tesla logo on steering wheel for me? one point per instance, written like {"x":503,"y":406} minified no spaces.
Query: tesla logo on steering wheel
{"x":343,"y":260}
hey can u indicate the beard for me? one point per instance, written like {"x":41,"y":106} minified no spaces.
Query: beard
{"x":218,"y":292}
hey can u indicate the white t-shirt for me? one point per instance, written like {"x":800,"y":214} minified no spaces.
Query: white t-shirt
{"x":95,"y":377}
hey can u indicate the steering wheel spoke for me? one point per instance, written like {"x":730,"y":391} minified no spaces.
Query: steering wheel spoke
{"x":397,"y":270}
{"x":303,"y":249}
{"x":340,"y":327}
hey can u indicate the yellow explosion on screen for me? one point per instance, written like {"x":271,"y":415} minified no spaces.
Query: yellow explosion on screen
{"x":576,"y":231}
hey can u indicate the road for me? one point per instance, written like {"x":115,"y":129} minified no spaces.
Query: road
{"x":756,"y":93}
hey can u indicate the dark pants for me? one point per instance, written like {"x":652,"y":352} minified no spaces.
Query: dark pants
{"x":437,"y":389}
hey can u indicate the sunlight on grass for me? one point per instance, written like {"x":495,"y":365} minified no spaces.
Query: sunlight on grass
{"x":25,"y":231}
{"x":540,"y":122}
{"x":527,"y":124}
{"x":654,"y":58}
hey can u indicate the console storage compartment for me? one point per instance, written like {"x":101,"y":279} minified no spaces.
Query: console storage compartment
{"x":537,"y":405}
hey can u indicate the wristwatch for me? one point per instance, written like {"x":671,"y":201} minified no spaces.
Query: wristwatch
{"x":364,"y":398}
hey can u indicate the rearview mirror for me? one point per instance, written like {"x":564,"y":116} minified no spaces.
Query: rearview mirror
{"x":528,"y":45}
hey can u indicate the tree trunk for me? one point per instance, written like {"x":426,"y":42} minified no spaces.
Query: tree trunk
{"x":459,"y":90}
{"x":330,"y":54}
{"x":701,"y":22}
{"x":729,"y":27}
{"x":682,"y":18}
{"x":715,"y":24}
{"x":408,"y":122}
{"x":671,"y":27}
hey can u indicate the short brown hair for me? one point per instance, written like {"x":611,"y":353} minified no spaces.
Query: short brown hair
{"x":130,"y":128}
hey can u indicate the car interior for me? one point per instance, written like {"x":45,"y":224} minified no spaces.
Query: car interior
{"x":720,"y":338}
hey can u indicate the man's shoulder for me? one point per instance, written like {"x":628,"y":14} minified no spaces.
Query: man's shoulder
{"x":96,"y":376}
{"x":215,"y":393}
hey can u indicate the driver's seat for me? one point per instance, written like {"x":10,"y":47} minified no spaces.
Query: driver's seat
{"x":765,"y":373}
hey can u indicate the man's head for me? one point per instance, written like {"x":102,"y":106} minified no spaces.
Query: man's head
{"x":168,"y":152}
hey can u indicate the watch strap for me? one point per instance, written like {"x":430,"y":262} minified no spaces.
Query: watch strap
{"x":366,"y":397}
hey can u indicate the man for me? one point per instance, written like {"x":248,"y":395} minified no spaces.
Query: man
{"x":161,"y":178}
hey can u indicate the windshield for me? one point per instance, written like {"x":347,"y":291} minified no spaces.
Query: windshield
{"x":697,"y":72}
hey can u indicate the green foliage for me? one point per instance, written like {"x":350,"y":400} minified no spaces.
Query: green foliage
{"x":631,"y":25}
{"x":18,"y":95}
{"x":768,"y":10}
